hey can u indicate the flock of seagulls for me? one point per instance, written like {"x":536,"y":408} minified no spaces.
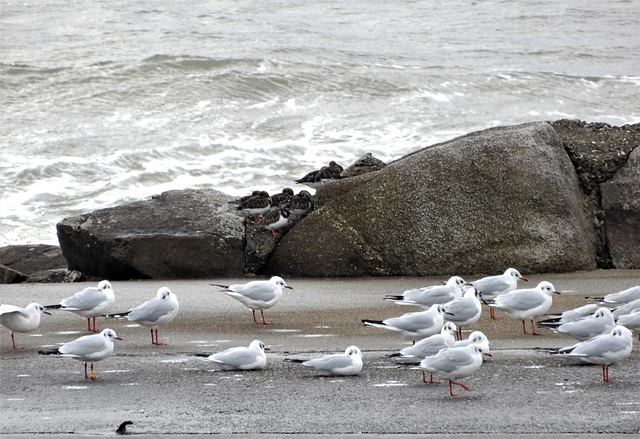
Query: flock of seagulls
{"x":602,"y":327}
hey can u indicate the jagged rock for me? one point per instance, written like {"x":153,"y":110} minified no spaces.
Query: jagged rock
{"x":621,"y":204}
{"x":597,"y":151}
{"x":504,"y":197}
{"x":178,"y":234}
{"x":30,"y":259}
{"x":11,"y":276}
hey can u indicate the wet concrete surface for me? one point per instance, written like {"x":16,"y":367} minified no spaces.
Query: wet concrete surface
{"x":165,"y":390}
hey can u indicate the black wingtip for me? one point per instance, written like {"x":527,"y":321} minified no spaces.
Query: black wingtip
{"x":201,"y":355}
{"x":49,"y":352}
{"x":391,"y":297}
{"x":123,"y":427}
{"x":368,"y":321}
{"x":58,"y":306}
{"x":221,"y":286}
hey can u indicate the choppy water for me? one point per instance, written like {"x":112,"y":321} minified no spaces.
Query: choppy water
{"x":108,"y":102}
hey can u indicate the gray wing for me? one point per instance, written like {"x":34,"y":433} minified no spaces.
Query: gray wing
{"x":425,"y":348}
{"x":151,"y":310}
{"x":259,"y":290}
{"x":520,"y":300}
{"x":600,"y":346}
{"x":10,"y":309}
{"x":235,"y":357}
{"x":587,"y":327}
{"x":83,"y":346}
{"x":429,"y":295}
{"x":449,"y":360}
{"x":330,"y":362}
{"x":462,"y":309}
{"x":412,"y":322}
{"x":492,"y":285}
{"x":86,"y":299}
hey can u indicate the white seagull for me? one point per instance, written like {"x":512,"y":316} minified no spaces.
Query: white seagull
{"x":626,"y":308}
{"x":569,"y":316}
{"x":431,"y":295}
{"x":153,"y":313}
{"x":454,"y":363}
{"x":476,"y":337}
{"x":465,"y":311}
{"x":89,"y":303}
{"x":624,"y":296}
{"x":258,"y":294}
{"x":90,"y":348}
{"x":631,"y":321}
{"x":600,"y":322}
{"x":414,"y":325}
{"x":17,"y":319}
{"x":349,"y":363}
{"x":430,"y":346}
{"x":492,"y":286}
{"x":526,"y":304}
{"x":240,"y":358}
{"x":606,"y":349}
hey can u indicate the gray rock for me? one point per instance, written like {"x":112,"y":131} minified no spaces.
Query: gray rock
{"x":621,"y":204}
{"x":11,"y":276}
{"x":504,"y":197}
{"x":30,"y":259}
{"x":178,"y":234}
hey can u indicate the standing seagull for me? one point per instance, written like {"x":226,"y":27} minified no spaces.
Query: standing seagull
{"x":465,"y":311}
{"x":240,"y":358}
{"x":89,"y":303}
{"x":427,"y":296}
{"x":454,"y":363}
{"x":349,"y":363}
{"x":17,"y":319}
{"x":89,"y":348}
{"x":430,"y":346}
{"x":258,"y":294}
{"x":493,"y":286}
{"x":153,"y":313}
{"x":606,"y":349}
{"x":414,"y":325}
{"x":526,"y":304}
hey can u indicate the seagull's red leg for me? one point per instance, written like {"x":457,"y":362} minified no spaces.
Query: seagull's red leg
{"x":605,"y":374}
{"x":524,"y":327}
{"x":492,"y":314}
{"x":85,"y":371}
{"x":533,"y":328}
{"x":459,"y":384}
{"x":254,"y":316}
{"x":13,"y":340}
{"x":264,"y":322}
{"x":157,"y":343}
{"x":94,"y":325}
{"x":152,"y":340}
{"x":424,"y":378}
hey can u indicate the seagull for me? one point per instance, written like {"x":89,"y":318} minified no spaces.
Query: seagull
{"x":17,"y":319}
{"x":600,"y":322}
{"x":153,"y":313}
{"x":622,"y":297}
{"x":255,"y":205}
{"x":240,"y":358}
{"x":89,"y":303}
{"x":275,"y":219}
{"x":430,"y":346}
{"x":526,"y":304}
{"x":454,"y":363}
{"x":569,"y":316}
{"x":493,"y":286}
{"x":413,"y":325}
{"x":626,"y":308}
{"x":476,"y":337}
{"x":631,"y":321}
{"x":427,"y":296}
{"x":89,"y":348}
{"x":257,"y":294}
{"x":606,"y":349}
{"x":466,"y":310}
{"x":349,"y":363}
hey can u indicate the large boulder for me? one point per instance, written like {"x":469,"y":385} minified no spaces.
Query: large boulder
{"x":504,"y":197}
{"x":178,"y":234}
{"x":621,"y":205}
